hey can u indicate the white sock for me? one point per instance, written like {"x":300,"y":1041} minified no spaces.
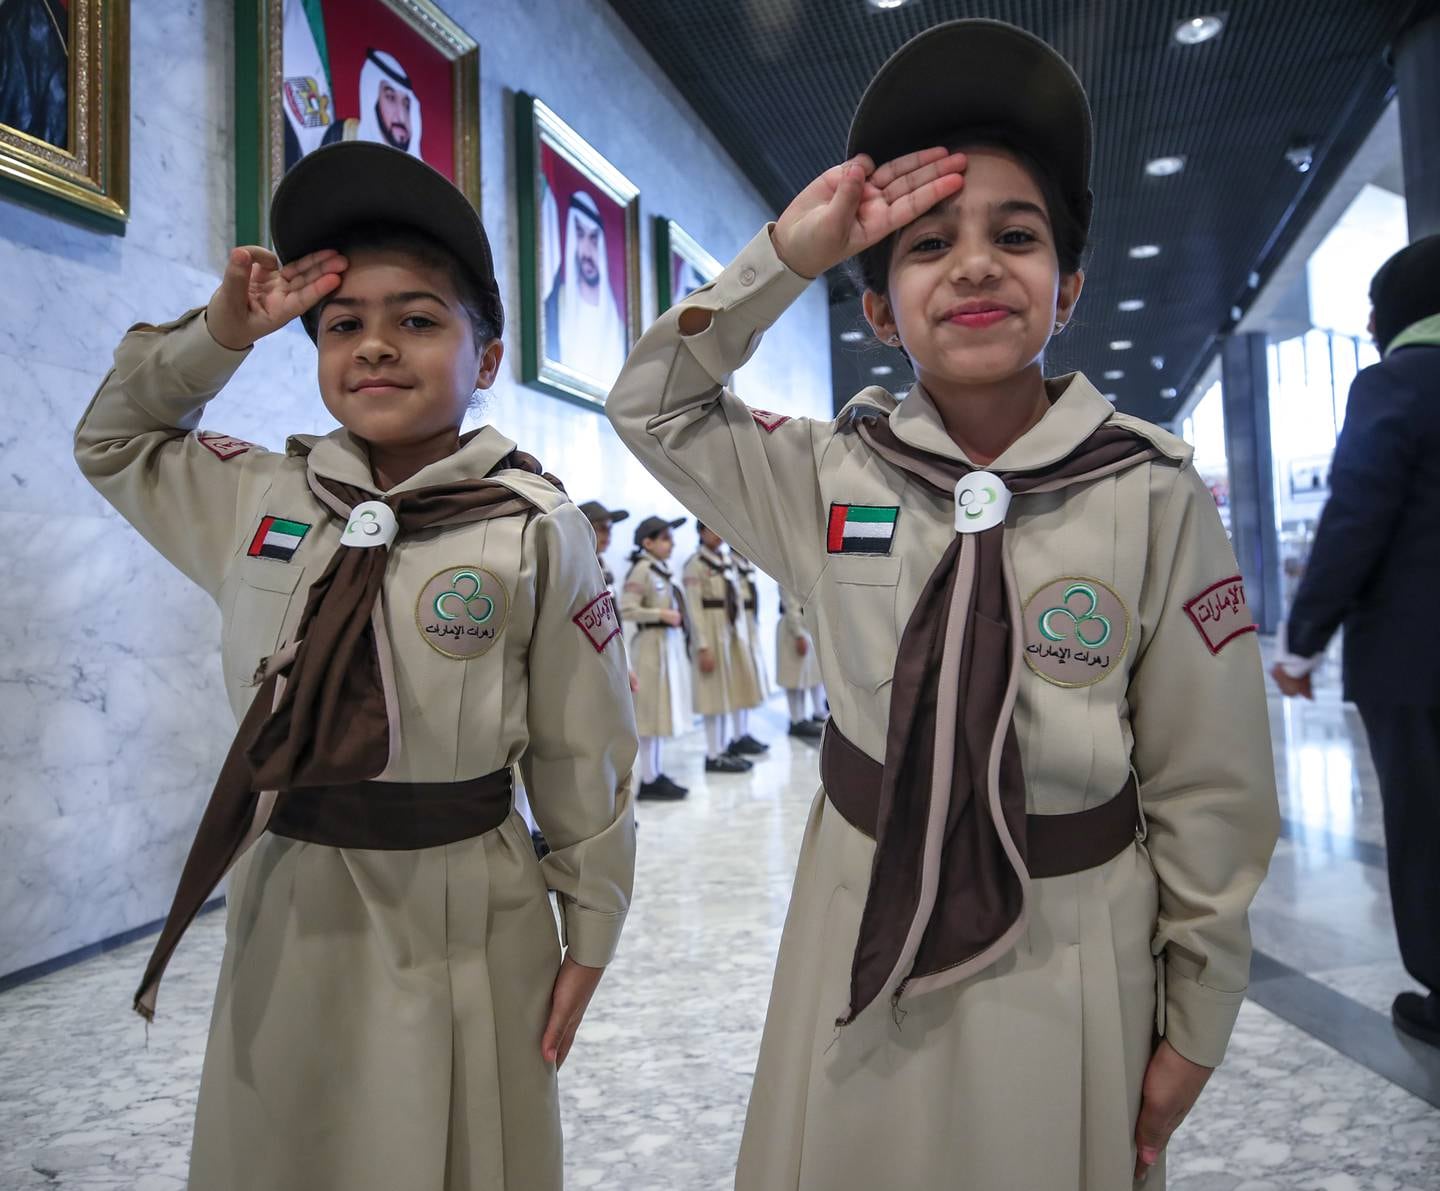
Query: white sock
{"x":742,"y":724}
{"x":649,"y":748}
{"x":796,"y":699}
{"x":714,"y":736}
{"x":818,"y":700}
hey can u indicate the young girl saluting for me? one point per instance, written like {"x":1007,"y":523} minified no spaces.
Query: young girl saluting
{"x":408,"y":613}
{"x":1017,"y":942}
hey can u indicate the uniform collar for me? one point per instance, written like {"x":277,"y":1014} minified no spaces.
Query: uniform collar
{"x":1076,"y":411}
{"x":341,"y":456}
{"x":658,"y":563}
{"x":712,"y":557}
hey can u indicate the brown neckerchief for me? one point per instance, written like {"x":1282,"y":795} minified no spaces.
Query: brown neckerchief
{"x":949,"y":884}
{"x":334,"y":720}
{"x":677,"y":596}
{"x":732,"y":597}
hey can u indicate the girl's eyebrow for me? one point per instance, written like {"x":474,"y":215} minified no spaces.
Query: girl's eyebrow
{"x":414,"y":295}
{"x":1005,"y":207}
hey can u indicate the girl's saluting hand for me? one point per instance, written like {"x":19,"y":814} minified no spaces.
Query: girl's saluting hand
{"x":853,"y":206}
{"x":256,"y":296}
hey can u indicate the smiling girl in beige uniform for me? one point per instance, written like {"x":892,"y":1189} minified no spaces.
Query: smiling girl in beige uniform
{"x":419,"y":610}
{"x":1047,"y":700}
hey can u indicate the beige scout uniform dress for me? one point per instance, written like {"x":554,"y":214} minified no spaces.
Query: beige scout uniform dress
{"x":657,"y":651}
{"x":379,"y":1013}
{"x":1028,"y":1074}
{"x":707,"y":576}
{"x":753,"y":686}
{"x":792,"y":671}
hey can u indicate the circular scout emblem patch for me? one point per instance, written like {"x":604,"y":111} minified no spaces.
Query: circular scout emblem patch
{"x":1076,"y":631}
{"x":462,"y":611}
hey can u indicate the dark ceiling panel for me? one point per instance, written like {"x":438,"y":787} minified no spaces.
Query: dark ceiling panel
{"x":777,"y":80}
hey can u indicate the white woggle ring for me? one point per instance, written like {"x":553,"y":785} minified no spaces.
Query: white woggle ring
{"x":981,"y":502}
{"x":372,"y":523}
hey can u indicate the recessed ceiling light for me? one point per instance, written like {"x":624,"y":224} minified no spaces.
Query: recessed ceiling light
{"x":1130,"y":305}
{"x":1121,"y":345}
{"x":1198,"y":29}
{"x":1143,"y":252}
{"x":851,"y":336}
{"x":885,"y":4}
{"x":881,"y":370}
{"x":1169,"y":394}
{"x":1115,"y":374}
{"x":1163,"y":167}
{"x":1157,"y":362}
{"x":1112,"y":398}
{"x":1236,"y":314}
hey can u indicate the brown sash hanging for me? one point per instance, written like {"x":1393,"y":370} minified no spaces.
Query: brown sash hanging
{"x":332,"y":728}
{"x":948,"y":886}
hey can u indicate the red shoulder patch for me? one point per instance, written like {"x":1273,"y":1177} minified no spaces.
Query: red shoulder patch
{"x":599,"y":621}
{"x":1221,"y":613}
{"x":222,"y":446}
{"x":769,"y":422}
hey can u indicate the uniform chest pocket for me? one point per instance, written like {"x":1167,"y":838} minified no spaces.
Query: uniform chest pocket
{"x":257,"y":614}
{"x":857,"y":611}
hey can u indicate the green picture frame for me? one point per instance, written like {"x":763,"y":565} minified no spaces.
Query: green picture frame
{"x":675,"y":246}
{"x":543,"y":141}
{"x":260,"y":120}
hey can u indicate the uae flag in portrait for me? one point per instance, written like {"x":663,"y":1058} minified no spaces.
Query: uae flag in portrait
{"x":861,"y":529}
{"x":306,"y":67}
{"x":277,"y":538}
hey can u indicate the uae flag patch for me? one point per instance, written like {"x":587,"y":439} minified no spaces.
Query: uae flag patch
{"x":862,"y":529}
{"x":277,"y":538}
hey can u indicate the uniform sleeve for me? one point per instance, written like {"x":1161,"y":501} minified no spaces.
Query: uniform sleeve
{"x":633,"y":594}
{"x":578,"y":765}
{"x":1207,"y":779}
{"x":1372,"y":472}
{"x":138,"y":445}
{"x":758,"y":488}
{"x":702,"y":627}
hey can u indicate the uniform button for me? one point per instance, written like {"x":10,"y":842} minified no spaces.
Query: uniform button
{"x":747,"y":277}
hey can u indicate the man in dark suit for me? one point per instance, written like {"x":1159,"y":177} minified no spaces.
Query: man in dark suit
{"x":1375,"y":568}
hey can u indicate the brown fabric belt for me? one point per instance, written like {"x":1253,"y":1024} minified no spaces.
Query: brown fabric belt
{"x":1056,"y":845}
{"x":395,"y":816}
{"x":707,"y":603}
{"x":655,"y":624}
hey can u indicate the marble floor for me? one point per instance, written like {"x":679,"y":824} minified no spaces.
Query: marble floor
{"x":1318,"y":1092}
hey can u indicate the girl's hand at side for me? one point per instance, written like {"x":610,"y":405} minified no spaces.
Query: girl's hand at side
{"x":575,"y":984}
{"x":1172,"y":1085}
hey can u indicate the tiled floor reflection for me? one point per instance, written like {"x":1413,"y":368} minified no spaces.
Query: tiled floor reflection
{"x":655,"y":1091}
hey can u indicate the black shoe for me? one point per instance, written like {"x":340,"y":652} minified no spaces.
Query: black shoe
{"x":1417,"y":1016}
{"x":818,"y":719}
{"x":728,"y":763}
{"x":658,"y":791}
{"x":665,"y":780}
{"x":537,"y":841}
{"x":808,"y":729}
{"x":747,"y":746}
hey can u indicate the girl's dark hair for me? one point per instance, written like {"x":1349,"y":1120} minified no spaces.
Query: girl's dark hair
{"x":428,"y":251}
{"x":871,"y":268}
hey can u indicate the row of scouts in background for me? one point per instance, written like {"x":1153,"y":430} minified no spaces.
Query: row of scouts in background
{"x":694,"y":649}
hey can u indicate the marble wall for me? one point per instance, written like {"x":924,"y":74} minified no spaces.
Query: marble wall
{"x":112,"y":719}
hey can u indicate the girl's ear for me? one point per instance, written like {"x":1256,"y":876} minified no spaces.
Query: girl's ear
{"x":490,"y":364}
{"x":1070,"y":286}
{"x":880,"y":315}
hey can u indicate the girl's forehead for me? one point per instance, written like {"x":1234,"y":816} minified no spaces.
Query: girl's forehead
{"x":379,"y":272}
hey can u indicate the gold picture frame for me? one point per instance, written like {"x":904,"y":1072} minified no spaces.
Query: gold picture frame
{"x":546,"y":145}
{"x":88,"y":177}
{"x":260,"y":80}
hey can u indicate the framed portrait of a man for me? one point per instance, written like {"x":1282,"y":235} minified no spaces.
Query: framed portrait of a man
{"x":65,"y":106}
{"x":681,"y":265}
{"x":315,"y":72}
{"x":579,"y":257}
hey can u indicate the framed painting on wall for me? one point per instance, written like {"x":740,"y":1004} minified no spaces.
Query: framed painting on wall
{"x":315,"y":72}
{"x":65,"y":107}
{"x":681,"y":265}
{"x":579,"y":258}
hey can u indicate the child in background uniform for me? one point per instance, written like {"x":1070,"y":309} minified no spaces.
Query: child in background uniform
{"x":797,"y":670}
{"x":408,"y":613}
{"x":713,"y":602}
{"x":654,"y":608}
{"x":1017,"y":942}
{"x":754,"y":687}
